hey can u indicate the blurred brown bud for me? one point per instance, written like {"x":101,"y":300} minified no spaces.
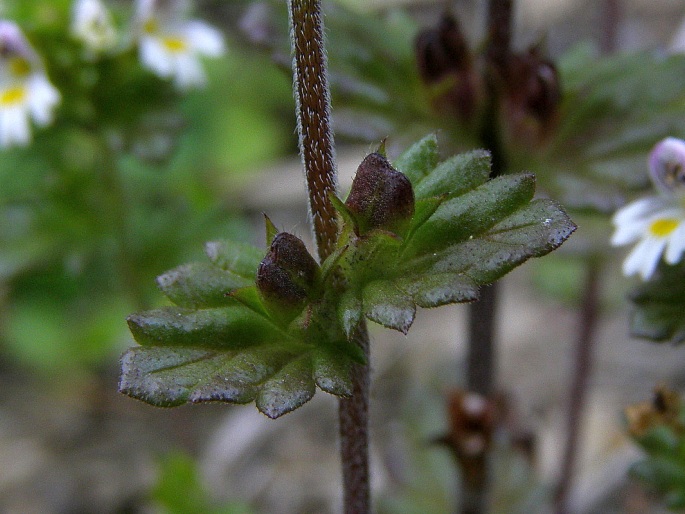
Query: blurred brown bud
{"x":531,"y":96}
{"x":471,"y":425}
{"x":381,"y":197}
{"x":664,"y":409}
{"x":287,"y":276}
{"x":445,"y":64}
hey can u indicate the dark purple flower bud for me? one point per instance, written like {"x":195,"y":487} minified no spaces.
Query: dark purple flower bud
{"x":445,"y":64}
{"x":532,"y":94}
{"x":287,"y":276}
{"x":381,"y":197}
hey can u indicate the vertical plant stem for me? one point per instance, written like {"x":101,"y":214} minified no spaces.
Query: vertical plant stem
{"x":318,"y":156}
{"x":611,"y":19}
{"x":500,"y":16}
{"x":353,"y":414}
{"x":481,"y":355}
{"x":482,"y":349}
{"x":118,"y":211}
{"x":582,"y":370}
{"x":313,"y":107}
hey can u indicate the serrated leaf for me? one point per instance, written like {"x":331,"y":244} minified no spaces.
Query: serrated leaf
{"x":455,"y":176}
{"x":439,"y":289}
{"x":288,"y":389}
{"x":200,"y":285}
{"x":466,"y":216}
{"x":387,"y":305}
{"x":249,"y":297}
{"x":223,"y":328}
{"x":419,"y":159}
{"x":331,"y":373}
{"x":277,"y":377}
{"x":240,"y":258}
{"x":534,"y":230}
{"x":423,"y":210}
{"x":659,"y":306}
{"x":350,"y":311}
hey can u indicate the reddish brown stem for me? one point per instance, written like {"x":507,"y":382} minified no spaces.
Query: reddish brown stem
{"x":318,"y":156}
{"x":582,"y":370}
{"x":312,"y":97}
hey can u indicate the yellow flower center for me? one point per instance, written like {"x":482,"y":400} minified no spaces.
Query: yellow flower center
{"x":12,"y":96}
{"x":19,"y":67}
{"x":663,"y":227}
{"x":150,"y":26}
{"x":174,"y":44}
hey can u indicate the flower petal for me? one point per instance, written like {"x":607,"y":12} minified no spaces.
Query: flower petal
{"x":189,"y":72}
{"x":14,"y":127}
{"x":204,"y":39}
{"x":639,"y":209}
{"x":676,"y":245}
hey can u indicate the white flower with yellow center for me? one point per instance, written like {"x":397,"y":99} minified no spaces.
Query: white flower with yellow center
{"x":171,"y":45}
{"x":92,"y":24}
{"x":25,"y":91}
{"x":657,"y":223}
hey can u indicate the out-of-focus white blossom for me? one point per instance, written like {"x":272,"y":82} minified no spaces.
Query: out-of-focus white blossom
{"x":92,"y":24}
{"x":656,"y":223}
{"x":25,"y":91}
{"x":171,"y":45}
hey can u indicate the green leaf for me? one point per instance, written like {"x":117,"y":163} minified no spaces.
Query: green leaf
{"x":350,"y":311}
{"x":200,"y":285}
{"x":439,"y":289}
{"x":455,"y":176}
{"x":240,"y":258}
{"x":532,"y":231}
{"x":387,"y":305}
{"x":168,"y":377}
{"x":223,"y":328}
{"x":659,"y":306}
{"x":419,"y":159}
{"x":424,"y":209}
{"x":466,"y":216}
{"x":331,"y":373}
{"x":271,"y":230}
{"x":288,"y":389}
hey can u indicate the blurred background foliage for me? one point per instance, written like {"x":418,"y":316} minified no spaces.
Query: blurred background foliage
{"x":130,"y":179}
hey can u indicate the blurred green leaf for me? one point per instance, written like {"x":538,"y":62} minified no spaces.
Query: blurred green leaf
{"x":179,"y":489}
{"x":658,"y":306}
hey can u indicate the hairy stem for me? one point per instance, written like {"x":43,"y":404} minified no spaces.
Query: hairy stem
{"x":313,"y":106}
{"x":312,"y":97}
{"x":582,"y":369}
{"x":353,"y":414}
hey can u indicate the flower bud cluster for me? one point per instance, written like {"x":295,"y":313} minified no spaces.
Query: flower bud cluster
{"x":460,"y":81}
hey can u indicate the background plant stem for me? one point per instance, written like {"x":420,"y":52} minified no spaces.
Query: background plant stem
{"x":482,"y":350}
{"x":312,"y":98}
{"x":582,"y":369}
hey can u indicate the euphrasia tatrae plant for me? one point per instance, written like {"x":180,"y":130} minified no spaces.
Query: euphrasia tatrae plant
{"x":271,"y":327}
{"x":656,"y":223}
{"x":25,"y":91}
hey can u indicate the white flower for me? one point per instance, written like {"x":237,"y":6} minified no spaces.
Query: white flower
{"x":171,"y":45}
{"x":25,"y":91}
{"x":92,"y":24}
{"x":657,"y":223}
